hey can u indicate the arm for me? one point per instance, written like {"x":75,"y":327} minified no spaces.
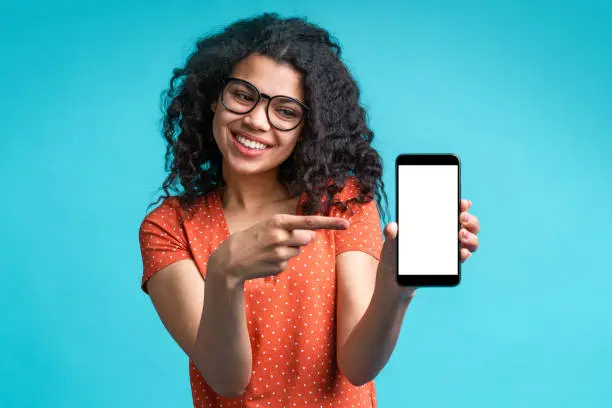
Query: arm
{"x":208,"y":322}
{"x":369,"y":318}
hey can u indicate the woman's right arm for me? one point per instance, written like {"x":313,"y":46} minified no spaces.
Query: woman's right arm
{"x":208,"y":322}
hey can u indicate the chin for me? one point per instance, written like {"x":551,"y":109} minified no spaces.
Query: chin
{"x":247,"y":168}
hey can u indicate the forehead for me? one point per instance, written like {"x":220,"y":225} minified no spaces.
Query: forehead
{"x":270,"y":77}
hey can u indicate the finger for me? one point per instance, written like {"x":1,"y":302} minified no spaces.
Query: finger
{"x":284,"y":253}
{"x":465,"y":205}
{"x":309,"y":222}
{"x":274,"y":236}
{"x":468,"y":240}
{"x":464,"y":254}
{"x":274,"y":268}
{"x":470,"y":222}
{"x":299,"y":238}
{"x":391,"y":230}
{"x":390,"y":245}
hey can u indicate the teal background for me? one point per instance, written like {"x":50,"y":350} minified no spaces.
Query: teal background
{"x":521,"y":91}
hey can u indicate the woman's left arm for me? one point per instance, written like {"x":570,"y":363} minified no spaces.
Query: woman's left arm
{"x":371,"y":305}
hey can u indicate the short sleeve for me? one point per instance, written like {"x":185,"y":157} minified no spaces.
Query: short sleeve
{"x":364,"y":233}
{"x":162,"y":239}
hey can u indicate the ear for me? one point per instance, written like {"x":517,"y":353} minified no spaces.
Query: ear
{"x":213,"y":106}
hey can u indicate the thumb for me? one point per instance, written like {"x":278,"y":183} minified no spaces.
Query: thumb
{"x":389,"y":249}
{"x":391,"y":230}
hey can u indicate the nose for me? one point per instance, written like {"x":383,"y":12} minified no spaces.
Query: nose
{"x":257,"y":118}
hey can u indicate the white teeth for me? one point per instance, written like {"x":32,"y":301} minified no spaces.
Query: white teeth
{"x":250,"y":143}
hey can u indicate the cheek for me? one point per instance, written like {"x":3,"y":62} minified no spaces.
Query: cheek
{"x":219,"y":125}
{"x":288,"y":141}
{"x":294,"y":137}
{"x":216,"y":131}
{"x":287,"y":148}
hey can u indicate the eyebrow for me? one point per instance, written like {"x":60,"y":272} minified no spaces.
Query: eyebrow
{"x":267,"y":94}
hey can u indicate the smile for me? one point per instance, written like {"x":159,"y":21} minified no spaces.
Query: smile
{"x":251,"y":144}
{"x":248,"y":147}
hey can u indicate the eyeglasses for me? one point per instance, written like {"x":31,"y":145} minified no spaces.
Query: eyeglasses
{"x":283,"y":112}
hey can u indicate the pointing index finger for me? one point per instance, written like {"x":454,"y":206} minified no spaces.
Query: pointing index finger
{"x":311,"y":222}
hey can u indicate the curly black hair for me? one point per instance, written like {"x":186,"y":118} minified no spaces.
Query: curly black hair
{"x":336,"y":140}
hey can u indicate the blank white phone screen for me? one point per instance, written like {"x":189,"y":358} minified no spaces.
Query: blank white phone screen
{"x":428,"y":219}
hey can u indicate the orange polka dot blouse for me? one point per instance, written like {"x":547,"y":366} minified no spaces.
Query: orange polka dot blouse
{"x":291,"y":317}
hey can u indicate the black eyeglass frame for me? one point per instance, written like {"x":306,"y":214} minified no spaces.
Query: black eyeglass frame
{"x":260,"y":95}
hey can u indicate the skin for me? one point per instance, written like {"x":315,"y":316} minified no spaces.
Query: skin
{"x":208,"y":320}
{"x":252,"y":182}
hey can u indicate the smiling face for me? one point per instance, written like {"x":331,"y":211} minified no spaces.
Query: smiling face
{"x":248,"y":142}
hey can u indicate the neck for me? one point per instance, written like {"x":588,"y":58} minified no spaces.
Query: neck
{"x":250,"y":193}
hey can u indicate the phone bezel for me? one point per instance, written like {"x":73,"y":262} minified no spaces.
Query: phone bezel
{"x":428,"y":159}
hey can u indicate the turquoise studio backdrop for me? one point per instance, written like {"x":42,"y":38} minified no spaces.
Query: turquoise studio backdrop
{"x":520,"y":90}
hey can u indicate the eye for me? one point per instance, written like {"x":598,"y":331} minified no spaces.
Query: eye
{"x":287,"y":113}
{"x":243,"y":96}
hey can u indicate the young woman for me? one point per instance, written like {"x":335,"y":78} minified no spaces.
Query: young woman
{"x":269,"y":267}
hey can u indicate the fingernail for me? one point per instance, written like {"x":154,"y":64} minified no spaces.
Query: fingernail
{"x":465,"y":217}
{"x":465,"y":235}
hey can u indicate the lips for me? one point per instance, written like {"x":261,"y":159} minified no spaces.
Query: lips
{"x":251,"y":137}
{"x":247,"y":151}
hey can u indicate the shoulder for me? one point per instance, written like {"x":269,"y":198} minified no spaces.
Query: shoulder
{"x":170,"y":210}
{"x":351,"y":189}
{"x":350,"y":197}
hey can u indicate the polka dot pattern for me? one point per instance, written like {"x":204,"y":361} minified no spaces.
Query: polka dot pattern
{"x":291,"y":317}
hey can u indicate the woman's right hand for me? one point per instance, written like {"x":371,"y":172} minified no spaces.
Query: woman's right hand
{"x":265,"y":248}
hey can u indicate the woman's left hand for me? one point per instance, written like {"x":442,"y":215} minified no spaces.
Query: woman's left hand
{"x":387,"y":268}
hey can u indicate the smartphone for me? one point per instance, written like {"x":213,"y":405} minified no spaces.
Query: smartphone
{"x":428,"y":188}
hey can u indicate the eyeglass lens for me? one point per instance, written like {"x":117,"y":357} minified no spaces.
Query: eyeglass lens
{"x":283,"y":112}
